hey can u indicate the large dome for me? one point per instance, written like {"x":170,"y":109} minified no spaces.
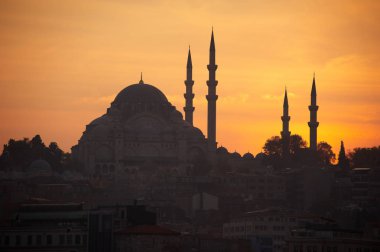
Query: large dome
{"x":140,"y":93}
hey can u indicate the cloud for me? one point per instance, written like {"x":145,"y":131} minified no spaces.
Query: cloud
{"x":102,"y":100}
{"x":276,"y":97}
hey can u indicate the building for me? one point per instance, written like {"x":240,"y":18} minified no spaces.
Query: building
{"x":141,"y":126}
{"x":365,"y":186}
{"x":46,"y":227}
{"x":274,"y":225}
{"x":319,"y":239}
{"x":146,"y":238}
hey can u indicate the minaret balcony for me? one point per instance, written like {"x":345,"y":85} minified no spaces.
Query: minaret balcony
{"x":188,"y":109}
{"x":212,"y":83}
{"x":189,"y":82}
{"x":313,"y":124}
{"x":285,"y":118}
{"x":313,"y":108}
{"x":212,"y":67}
{"x":188,"y":96}
{"x":211,"y":97}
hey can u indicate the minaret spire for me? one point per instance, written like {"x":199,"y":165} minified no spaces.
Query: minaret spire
{"x":211,"y":97}
{"x":285,"y":133}
{"x":189,"y":96}
{"x":313,"y":123}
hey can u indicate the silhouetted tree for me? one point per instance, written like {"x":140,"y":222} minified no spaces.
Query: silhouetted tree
{"x":274,"y":145}
{"x":18,"y":154}
{"x":297,"y":143}
{"x":37,"y":146}
{"x":299,"y":153}
{"x":365,"y":157}
{"x":325,"y":153}
{"x":343,"y":162}
{"x":55,"y":150}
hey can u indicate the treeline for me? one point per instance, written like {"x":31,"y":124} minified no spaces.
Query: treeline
{"x":17,"y":155}
{"x":365,"y":157}
{"x":299,"y":154}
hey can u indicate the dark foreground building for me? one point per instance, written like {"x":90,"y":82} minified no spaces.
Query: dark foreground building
{"x":46,"y":227}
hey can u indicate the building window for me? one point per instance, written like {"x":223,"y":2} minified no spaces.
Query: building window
{"x":69,"y":239}
{"x":84,"y":239}
{"x":38,"y":239}
{"x":61,"y":239}
{"x":6,"y":240}
{"x":49,"y":240}
{"x":97,"y":168}
{"x":30,"y":239}
{"x":77,"y":239}
{"x":18,"y":240}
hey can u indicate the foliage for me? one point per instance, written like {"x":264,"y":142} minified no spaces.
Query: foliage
{"x":297,"y":143}
{"x":299,"y":153}
{"x":273,"y":145}
{"x":365,"y":157}
{"x":19,"y":154}
{"x":325,"y":153}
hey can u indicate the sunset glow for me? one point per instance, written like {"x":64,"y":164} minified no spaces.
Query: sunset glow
{"x":62,"y":63}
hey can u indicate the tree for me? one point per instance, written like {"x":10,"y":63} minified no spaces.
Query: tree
{"x":273,"y":146}
{"x":365,"y":157}
{"x":37,"y":146}
{"x":273,"y":149}
{"x":296,"y":143}
{"x":18,"y":154}
{"x":343,"y":162}
{"x":54,"y":149}
{"x":325,"y":153}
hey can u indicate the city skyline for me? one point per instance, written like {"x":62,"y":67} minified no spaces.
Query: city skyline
{"x":82,"y":66}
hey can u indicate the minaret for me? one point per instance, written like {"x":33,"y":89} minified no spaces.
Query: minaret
{"x":313,"y":124}
{"x":285,"y":133}
{"x":189,"y":96}
{"x":211,"y":98}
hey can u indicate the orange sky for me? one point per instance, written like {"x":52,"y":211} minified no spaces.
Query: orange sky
{"x":63,"y":62}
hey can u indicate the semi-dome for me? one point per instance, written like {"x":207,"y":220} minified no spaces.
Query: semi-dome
{"x":140,"y":93}
{"x":248,"y":156}
{"x":236,"y":155}
{"x":260,"y":156}
{"x":222,"y":150}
